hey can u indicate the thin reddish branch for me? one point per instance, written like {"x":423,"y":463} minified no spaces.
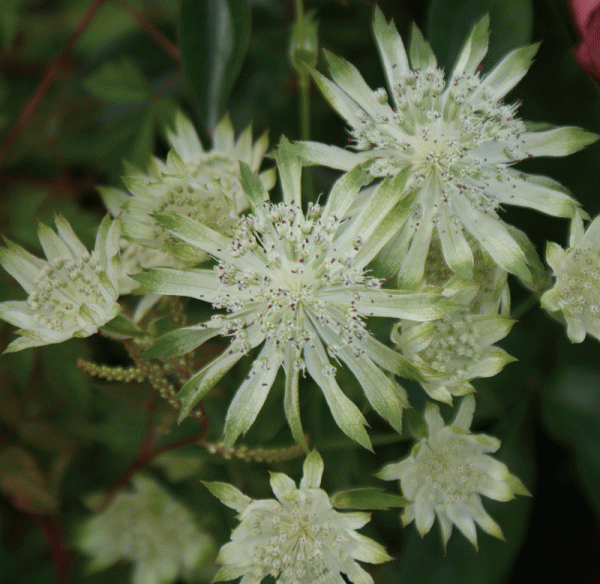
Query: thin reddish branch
{"x":160,"y":38}
{"x":47,"y":79}
{"x":62,"y":558}
{"x":146,"y":455}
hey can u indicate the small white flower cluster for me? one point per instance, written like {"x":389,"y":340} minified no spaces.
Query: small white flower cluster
{"x":192,"y":182}
{"x":456,"y":138}
{"x":72,"y":294}
{"x":297,"y":284}
{"x":150,"y":529}
{"x":576,"y":290}
{"x":298,"y":538}
{"x":448,"y":471}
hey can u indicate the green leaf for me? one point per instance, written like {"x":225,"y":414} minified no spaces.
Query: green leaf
{"x":367,"y":498}
{"x":213,"y":37}
{"x":119,"y":81}
{"x":449,"y":21}
{"x":122,"y":326}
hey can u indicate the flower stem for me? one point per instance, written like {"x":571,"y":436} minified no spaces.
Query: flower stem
{"x":304,"y":84}
{"x":524,"y":307}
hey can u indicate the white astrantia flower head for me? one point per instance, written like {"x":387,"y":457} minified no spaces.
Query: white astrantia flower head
{"x":70,"y":294}
{"x":296,"y":284}
{"x":458,"y":139}
{"x":576,"y":290}
{"x":453,"y":350}
{"x":149,"y":528}
{"x":298,"y":538}
{"x":192,"y":182}
{"x":448,"y":471}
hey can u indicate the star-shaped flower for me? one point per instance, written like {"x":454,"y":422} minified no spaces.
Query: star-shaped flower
{"x":70,"y":294}
{"x":298,"y":538}
{"x":296,"y":284}
{"x":457,"y":138}
{"x":150,"y":529}
{"x":576,"y":290}
{"x":192,"y":182}
{"x":447,"y":472}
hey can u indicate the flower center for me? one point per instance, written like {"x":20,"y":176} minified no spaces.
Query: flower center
{"x":449,"y":469}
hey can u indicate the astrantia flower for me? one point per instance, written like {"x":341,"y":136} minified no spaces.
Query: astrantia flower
{"x":150,"y":529}
{"x":576,"y":290}
{"x":295,"y":284}
{"x":298,"y":539}
{"x":446,"y":474}
{"x":72,"y":294}
{"x":203,"y":185}
{"x":458,"y":139}
{"x":452,"y":351}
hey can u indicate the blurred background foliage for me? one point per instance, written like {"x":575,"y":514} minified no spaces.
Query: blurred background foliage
{"x":113,"y":74}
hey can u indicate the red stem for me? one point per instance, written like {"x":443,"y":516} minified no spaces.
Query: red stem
{"x":50,"y":526}
{"x":146,"y":455}
{"x":160,"y":38}
{"x":47,"y":79}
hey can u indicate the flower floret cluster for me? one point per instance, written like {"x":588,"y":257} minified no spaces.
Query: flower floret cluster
{"x":299,"y":538}
{"x":150,"y":529}
{"x":296,"y":284}
{"x":448,"y":471}
{"x":70,"y":294}
{"x":192,"y":182}
{"x":458,"y":139}
{"x":576,"y":290}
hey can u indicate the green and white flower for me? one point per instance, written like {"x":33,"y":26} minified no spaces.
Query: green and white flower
{"x":576,"y":290}
{"x":446,"y":474}
{"x":452,"y":351}
{"x":296,"y":284}
{"x":149,"y":528}
{"x":298,"y":538}
{"x":457,"y":138}
{"x":70,"y":294}
{"x":192,"y":182}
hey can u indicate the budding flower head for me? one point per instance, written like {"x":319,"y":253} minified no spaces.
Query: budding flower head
{"x":446,"y":474}
{"x":451,"y":351}
{"x":457,"y":137}
{"x":71,"y":294}
{"x":296,"y":284}
{"x":576,"y":290}
{"x":149,"y":528}
{"x":192,"y":182}
{"x":298,"y":538}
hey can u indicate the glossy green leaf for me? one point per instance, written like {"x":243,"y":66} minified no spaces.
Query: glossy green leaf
{"x":214,"y":37}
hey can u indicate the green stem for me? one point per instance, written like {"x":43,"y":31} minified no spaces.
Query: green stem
{"x":524,"y":307}
{"x":345,"y":444}
{"x":304,"y":84}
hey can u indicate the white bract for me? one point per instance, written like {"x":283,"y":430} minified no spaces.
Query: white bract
{"x":296,"y":284}
{"x":192,"y":182}
{"x":298,"y":538}
{"x":576,"y":290}
{"x":150,"y":529}
{"x":457,"y":138}
{"x":446,"y":474}
{"x":70,"y":294}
